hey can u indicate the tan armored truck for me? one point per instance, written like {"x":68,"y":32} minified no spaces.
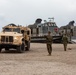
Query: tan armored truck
{"x":15,"y":37}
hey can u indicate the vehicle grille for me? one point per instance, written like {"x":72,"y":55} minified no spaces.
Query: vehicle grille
{"x":6,"y":38}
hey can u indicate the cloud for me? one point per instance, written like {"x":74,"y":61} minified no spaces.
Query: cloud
{"x":25,"y":12}
{"x":1,"y":17}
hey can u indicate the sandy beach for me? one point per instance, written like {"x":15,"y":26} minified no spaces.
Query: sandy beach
{"x":37,"y":62}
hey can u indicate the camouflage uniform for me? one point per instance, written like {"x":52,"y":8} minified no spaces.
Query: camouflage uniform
{"x":49,"y":43}
{"x":65,"y":41}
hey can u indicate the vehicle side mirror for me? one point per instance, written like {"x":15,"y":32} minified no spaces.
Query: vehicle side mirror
{"x":28,"y":32}
{"x":22,"y":31}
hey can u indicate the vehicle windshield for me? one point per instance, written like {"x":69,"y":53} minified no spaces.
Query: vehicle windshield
{"x":12,"y":30}
{"x":16,"y":30}
{"x":7,"y":30}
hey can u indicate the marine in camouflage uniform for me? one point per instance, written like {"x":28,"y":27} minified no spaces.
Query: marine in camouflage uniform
{"x":49,"y":43}
{"x":65,"y":41}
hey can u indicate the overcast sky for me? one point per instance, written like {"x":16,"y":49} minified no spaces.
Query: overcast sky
{"x":25,"y":12}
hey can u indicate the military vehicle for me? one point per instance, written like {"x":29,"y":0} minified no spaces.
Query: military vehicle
{"x":16,"y":37}
{"x":39,"y":30}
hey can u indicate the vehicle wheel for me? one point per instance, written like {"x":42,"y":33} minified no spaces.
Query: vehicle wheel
{"x":6,"y":49}
{"x":0,"y":50}
{"x":28,"y":46}
{"x":21,"y":48}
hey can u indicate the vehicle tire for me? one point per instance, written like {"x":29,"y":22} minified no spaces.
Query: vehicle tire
{"x":0,"y":50}
{"x":21,"y":48}
{"x":28,"y":46}
{"x":6,"y":49}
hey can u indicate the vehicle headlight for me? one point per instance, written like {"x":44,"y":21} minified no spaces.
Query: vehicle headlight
{"x":17,"y":39}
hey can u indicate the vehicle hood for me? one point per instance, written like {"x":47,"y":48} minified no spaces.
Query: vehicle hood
{"x":10,"y":34}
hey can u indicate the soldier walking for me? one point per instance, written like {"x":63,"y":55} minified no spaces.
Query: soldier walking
{"x":65,"y":41}
{"x":49,"y":42}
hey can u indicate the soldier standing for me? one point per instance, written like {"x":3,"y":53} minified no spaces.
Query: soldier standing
{"x":49,"y":42}
{"x":65,"y":41}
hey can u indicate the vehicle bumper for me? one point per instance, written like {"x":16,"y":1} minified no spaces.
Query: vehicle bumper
{"x":9,"y":45}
